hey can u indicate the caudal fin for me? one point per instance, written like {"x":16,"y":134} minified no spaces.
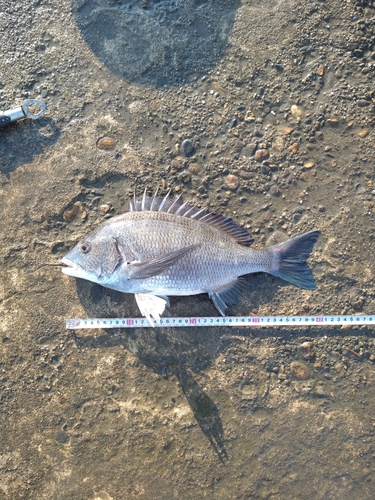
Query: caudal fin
{"x":292,"y":255}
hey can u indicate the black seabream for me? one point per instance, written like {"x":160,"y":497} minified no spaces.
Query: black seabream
{"x":165,"y":247}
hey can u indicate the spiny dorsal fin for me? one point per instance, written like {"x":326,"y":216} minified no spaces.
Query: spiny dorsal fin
{"x":177,"y":207}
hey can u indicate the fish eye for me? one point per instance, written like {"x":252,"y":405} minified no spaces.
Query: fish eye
{"x":85,"y":247}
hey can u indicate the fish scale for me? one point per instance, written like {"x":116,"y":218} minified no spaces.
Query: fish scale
{"x":165,"y":247}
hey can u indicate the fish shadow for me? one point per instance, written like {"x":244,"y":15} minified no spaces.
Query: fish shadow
{"x":181,"y":352}
{"x":157,"y":42}
{"x":22,"y":141}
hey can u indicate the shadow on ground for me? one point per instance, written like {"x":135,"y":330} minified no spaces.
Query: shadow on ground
{"x":34,"y":138}
{"x":160,"y":42}
{"x":182,"y":352}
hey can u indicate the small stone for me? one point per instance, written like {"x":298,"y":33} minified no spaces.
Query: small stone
{"x":231,"y":181}
{"x":308,"y":345}
{"x":105,"y":208}
{"x":106,"y":144}
{"x":296,"y":110}
{"x":299,"y":371}
{"x":249,"y":117}
{"x":187,"y":147}
{"x":294,"y":148}
{"x":261,"y":154}
{"x":72,"y":213}
{"x":62,"y":437}
{"x":358,"y":304}
{"x":176,"y":164}
{"x":320,"y":71}
{"x":309,"y":164}
{"x":318,"y":363}
{"x":364,"y":132}
{"x":287,"y":130}
{"x":278,"y":144}
{"x":194,"y":168}
{"x":219,"y":87}
{"x":296,"y":217}
{"x":333,"y":122}
{"x":362,"y":103}
{"x":185,"y":177}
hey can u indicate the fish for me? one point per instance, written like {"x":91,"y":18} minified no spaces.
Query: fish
{"x":165,"y":247}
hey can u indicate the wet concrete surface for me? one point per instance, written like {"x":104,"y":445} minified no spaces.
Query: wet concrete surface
{"x":280,"y":122}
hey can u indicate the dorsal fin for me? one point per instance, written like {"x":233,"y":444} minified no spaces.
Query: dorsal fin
{"x":177,"y":207}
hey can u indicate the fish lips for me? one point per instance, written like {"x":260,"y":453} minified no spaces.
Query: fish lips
{"x":73,"y":269}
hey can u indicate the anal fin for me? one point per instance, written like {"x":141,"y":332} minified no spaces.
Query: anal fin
{"x":228,"y":295}
{"x":151,"y":306}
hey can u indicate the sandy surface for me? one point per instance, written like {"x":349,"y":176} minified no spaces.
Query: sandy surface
{"x":276,"y":102}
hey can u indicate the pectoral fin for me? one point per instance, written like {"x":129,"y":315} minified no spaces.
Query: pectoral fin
{"x":151,"y":306}
{"x":156,"y":265}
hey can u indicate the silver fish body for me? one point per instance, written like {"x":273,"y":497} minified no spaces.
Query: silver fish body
{"x":163,"y":247}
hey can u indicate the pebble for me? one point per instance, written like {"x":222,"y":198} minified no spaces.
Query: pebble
{"x":187,"y":147}
{"x":332,"y":121}
{"x":362,"y":103}
{"x":249,"y":117}
{"x":62,"y":437}
{"x":231,"y":181}
{"x":364,"y":132}
{"x":309,"y":164}
{"x":105,"y":208}
{"x":72,"y":213}
{"x":296,"y":217}
{"x":299,"y":371}
{"x":294,"y":148}
{"x":185,"y":177}
{"x":106,"y":144}
{"x":320,"y":71}
{"x":296,"y":110}
{"x":261,"y":154}
{"x":278,"y":144}
{"x":287,"y":130}
{"x":177,"y":164}
{"x":318,"y":363}
{"x":194,"y":168}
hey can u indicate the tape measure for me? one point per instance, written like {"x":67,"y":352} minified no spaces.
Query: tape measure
{"x":251,"y":321}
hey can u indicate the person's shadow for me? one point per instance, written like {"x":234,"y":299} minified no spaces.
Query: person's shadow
{"x":159,"y":42}
{"x":21,"y":141}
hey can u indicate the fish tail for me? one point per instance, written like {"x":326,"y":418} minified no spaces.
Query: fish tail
{"x":290,"y":260}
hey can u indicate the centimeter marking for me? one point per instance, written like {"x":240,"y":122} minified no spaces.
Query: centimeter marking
{"x":267,"y":321}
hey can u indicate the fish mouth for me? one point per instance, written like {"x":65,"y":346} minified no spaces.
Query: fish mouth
{"x":72,"y":269}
